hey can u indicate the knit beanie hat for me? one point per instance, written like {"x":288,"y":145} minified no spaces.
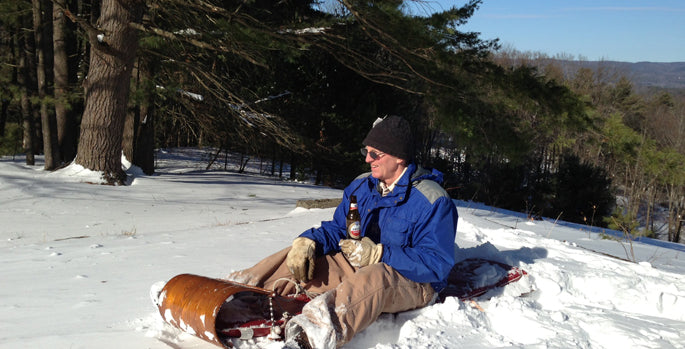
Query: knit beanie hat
{"x":393,"y":136}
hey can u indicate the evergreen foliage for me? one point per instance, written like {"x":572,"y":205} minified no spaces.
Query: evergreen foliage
{"x":582,"y":192}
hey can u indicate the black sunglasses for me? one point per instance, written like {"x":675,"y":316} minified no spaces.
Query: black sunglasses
{"x":374,"y":155}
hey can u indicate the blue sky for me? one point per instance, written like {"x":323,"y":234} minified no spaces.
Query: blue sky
{"x":619,"y":30}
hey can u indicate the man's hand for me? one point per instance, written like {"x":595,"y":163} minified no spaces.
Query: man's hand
{"x":300,"y":259}
{"x":361,"y":253}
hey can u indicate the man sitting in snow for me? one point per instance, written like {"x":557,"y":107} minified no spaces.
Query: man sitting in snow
{"x":407,"y":250}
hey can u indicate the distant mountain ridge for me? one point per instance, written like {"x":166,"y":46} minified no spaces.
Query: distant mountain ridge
{"x":644,"y":75}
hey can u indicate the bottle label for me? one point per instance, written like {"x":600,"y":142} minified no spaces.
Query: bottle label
{"x":354,"y":230}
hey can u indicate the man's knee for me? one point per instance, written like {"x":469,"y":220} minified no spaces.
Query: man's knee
{"x":374,"y":273}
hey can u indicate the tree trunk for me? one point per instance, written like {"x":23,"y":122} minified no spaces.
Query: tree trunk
{"x":128,"y":137}
{"x":144,"y":152}
{"x":25,"y":81}
{"x":107,"y":88}
{"x":138,"y":141}
{"x":293,"y":171}
{"x":139,"y":137}
{"x":3,"y":116}
{"x":679,"y":237}
{"x":65,"y":121}
{"x":48,"y":123}
{"x":128,"y":140}
{"x":6,"y":45}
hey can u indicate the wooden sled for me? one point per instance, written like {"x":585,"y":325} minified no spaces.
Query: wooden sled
{"x":219,"y":310}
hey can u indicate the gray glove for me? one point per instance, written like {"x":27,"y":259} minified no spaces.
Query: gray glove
{"x":300,"y":259}
{"x":361,"y":253}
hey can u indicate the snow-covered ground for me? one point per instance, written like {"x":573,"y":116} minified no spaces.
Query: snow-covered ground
{"x":77,"y":262}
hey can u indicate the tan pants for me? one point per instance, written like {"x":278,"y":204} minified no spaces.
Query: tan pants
{"x":354,"y":296}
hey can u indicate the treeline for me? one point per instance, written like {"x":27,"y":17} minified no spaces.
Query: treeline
{"x":301,"y":83}
{"x":626,"y":169}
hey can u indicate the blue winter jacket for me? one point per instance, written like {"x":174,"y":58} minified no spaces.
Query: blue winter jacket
{"x":416,"y":224}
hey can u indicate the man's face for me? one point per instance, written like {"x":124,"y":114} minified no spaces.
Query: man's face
{"x":386,"y":167}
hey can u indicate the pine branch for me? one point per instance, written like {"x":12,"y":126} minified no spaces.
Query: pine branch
{"x":96,"y":37}
{"x":194,"y":42}
{"x":382,"y":34}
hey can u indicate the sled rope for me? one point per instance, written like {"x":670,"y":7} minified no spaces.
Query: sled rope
{"x":275,"y":329}
{"x":274,"y":333}
{"x":298,"y":288}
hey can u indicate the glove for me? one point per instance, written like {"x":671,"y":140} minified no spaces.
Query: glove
{"x":300,"y":259}
{"x":361,"y":253}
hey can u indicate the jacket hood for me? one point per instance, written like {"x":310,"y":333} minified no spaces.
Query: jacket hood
{"x":421,"y":173}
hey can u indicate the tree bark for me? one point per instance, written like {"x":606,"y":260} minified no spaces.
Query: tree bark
{"x":65,"y":120}
{"x":113,"y":50}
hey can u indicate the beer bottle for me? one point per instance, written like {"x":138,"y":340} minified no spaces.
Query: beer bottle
{"x":353,"y":220}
